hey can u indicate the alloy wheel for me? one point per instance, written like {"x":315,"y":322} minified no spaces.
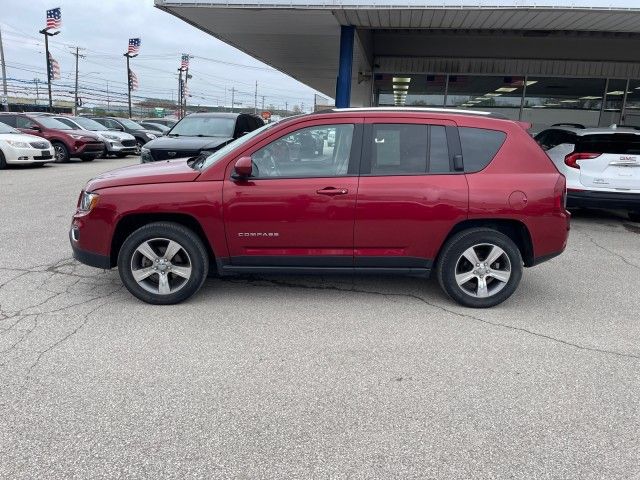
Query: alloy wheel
{"x":161,"y":266}
{"x":483,"y":270}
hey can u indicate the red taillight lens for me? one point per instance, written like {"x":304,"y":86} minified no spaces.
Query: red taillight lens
{"x":560,"y":193}
{"x":571,"y":159}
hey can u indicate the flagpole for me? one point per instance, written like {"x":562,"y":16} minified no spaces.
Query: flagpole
{"x":47,"y":34}
{"x":128,"y":82}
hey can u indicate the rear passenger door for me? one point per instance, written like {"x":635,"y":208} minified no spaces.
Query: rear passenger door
{"x":409,"y":194}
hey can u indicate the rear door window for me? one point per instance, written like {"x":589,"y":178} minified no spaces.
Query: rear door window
{"x":479,"y":146}
{"x":616,"y":143}
{"x":408,"y":149}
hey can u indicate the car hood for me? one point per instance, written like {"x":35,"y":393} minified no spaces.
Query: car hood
{"x":117,"y":134}
{"x":22,"y":137}
{"x":143,"y":174}
{"x":187,"y":143}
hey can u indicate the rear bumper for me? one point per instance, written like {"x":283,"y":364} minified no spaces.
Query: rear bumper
{"x":596,"y":199}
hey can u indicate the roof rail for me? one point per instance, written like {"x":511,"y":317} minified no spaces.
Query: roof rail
{"x":574,"y":125}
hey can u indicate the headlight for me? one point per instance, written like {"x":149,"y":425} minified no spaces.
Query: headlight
{"x":16,"y":144}
{"x":77,"y":137}
{"x":87,"y":201}
{"x":151,"y":136}
{"x":110,"y":137}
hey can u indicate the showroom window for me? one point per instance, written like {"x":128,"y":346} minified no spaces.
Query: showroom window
{"x":495,"y":94}
{"x":410,"y":90}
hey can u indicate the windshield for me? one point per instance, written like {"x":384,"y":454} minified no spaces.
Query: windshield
{"x":130,"y":124}
{"x":214,"y":157}
{"x":4,"y":128}
{"x":89,"y":124}
{"x":53,"y":123}
{"x":204,"y":127}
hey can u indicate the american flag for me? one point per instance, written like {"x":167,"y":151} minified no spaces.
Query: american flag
{"x":54,"y":68}
{"x":184,"y":64}
{"x":54,"y":18}
{"x":133,"y":80}
{"x":134,"y":46}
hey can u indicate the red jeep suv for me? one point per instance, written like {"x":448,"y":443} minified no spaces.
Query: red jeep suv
{"x":400,"y":191}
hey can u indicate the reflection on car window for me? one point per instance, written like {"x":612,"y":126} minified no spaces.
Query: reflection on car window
{"x":205,"y":126}
{"x":321,"y":151}
{"x":218,"y":154}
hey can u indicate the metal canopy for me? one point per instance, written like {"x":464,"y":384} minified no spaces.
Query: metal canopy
{"x":302,"y":39}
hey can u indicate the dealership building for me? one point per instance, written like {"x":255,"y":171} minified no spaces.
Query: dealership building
{"x":554,"y":62}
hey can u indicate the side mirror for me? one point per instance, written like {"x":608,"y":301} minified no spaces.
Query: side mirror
{"x":35,"y":127}
{"x":243,"y":168}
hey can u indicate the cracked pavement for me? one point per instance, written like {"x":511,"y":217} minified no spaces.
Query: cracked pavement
{"x":311,"y":377}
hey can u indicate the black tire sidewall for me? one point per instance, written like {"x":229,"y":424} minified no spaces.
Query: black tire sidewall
{"x":185,"y":237}
{"x":454,"y":249}
{"x":3,"y":161}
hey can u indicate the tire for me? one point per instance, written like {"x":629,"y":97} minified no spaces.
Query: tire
{"x":61,"y":152}
{"x":633,"y":216}
{"x":454,"y":259}
{"x":189,"y":255}
{"x":3,"y":161}
{"x":139,"y":144}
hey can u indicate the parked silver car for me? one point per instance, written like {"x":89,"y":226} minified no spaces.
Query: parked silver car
{"x":116,"y":143}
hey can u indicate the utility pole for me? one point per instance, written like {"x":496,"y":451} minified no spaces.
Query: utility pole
{"x":233,"y":97}
{"x":286,"y":108}
{"x":75,"y":104}
{"x":180,"y":93}
{"x":263,"y":103}
{"x":37,"y":80}
{"x":5,"y":97}
{"x":48,"y":34}
{"x":108,"y":98}
{"x":255,"y":100}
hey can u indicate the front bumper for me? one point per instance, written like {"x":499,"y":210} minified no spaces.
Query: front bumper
{"x":93,"y":148}
{"x":596,"y":199}
{"x":88,"y":258}
{"x":24,"y":156}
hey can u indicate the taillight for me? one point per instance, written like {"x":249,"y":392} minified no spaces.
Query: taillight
{"x":560,"y":193}
{"x":571,"y":159}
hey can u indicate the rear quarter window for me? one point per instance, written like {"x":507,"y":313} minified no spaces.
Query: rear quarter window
{"x":616,"y":143}
{"x":479,"y":146}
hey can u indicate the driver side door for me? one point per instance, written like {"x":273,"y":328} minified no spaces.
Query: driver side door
{"x":297,"y":210}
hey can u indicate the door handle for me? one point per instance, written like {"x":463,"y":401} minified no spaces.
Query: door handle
{"x":332,"y":191}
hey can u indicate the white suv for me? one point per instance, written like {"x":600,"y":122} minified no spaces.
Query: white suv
{"x":601,"y":165}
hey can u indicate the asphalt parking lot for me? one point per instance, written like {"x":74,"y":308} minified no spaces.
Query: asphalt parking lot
{"x":311,"y":377}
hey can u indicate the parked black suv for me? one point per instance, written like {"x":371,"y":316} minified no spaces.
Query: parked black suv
{"x":143,"y":135}
{"x":199,"y":132}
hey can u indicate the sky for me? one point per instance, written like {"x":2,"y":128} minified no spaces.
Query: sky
{"x":102,"y":28}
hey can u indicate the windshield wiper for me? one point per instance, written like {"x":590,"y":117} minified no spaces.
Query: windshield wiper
{"x":173,"y":135}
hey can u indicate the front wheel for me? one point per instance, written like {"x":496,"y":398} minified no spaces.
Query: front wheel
{"x":61,"y":152}
{"x":163,"y":263}
{"x":479,"y":267}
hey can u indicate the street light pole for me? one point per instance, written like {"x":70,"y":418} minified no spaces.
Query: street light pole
{"x":5,"y":97}
{"x":48,"y":34}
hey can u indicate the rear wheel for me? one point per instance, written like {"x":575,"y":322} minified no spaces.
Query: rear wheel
{"x":479,"y":267}
{"x":61,"y":153}
{"x":3,"y":161}
{"x":163,"y":263}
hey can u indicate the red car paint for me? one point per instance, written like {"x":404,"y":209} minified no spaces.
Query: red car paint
{"x":390,"y":221}
{"x":89,"y":144}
